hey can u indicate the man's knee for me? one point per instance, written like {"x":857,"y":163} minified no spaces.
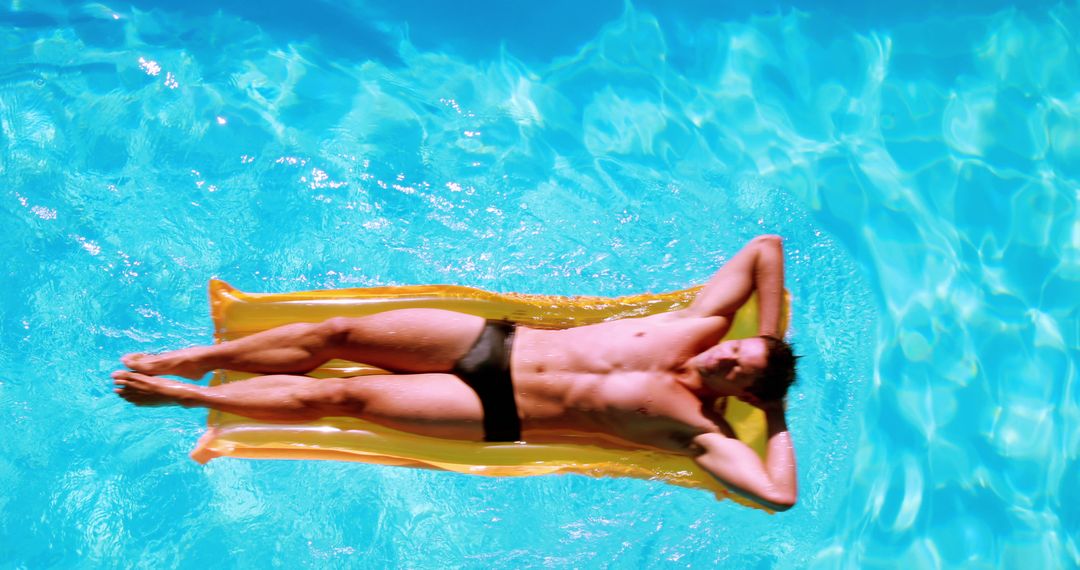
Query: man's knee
{"x":334,"y":396}
{"x":337,"y":330}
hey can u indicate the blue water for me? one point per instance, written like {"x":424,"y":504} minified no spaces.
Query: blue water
{"x":922,"y":162}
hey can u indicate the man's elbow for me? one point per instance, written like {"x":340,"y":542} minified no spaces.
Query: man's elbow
{"x":781,"y":501}
{"x":784,"y":504}
{"x":768,"y":240}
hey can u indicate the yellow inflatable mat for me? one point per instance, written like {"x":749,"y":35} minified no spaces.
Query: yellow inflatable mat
{"x":237,"y":314}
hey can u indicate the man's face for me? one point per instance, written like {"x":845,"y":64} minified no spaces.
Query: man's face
{"x":733,"y":365}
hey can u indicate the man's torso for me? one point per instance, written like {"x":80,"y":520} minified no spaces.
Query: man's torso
{"x":620,"y":381}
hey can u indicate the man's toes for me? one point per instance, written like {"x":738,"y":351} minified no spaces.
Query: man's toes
{"x":129,"y":379}
{"x":123,"y":375}
{"x":141,"y":362}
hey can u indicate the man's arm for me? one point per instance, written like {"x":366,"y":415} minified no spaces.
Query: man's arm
{"x":758,"y":266}
{"x":772,"y":482}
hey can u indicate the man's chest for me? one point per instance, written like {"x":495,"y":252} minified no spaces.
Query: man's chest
{"x":645,"y":345}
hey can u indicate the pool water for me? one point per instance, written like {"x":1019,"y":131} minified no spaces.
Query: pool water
{"x":922,"y":163}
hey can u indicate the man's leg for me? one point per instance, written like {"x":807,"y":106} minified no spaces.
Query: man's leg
{"x":434,"y":405}
{"x":407,"y":340}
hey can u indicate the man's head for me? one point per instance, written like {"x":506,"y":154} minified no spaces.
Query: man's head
{"x":759,"y":368}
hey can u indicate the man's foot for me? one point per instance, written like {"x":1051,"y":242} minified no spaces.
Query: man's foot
{"x":143,"y":390}
{"x":183,"y":363}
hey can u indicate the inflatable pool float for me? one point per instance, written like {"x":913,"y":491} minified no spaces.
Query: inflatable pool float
{"x":237,"y":314}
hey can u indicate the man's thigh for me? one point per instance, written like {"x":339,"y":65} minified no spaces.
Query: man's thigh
{"x":409,"y":340}
{"x":434,"y":405}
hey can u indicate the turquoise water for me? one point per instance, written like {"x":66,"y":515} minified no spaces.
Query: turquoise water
{"x":923,"y":164}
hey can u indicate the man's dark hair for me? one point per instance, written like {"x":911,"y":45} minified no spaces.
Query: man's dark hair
{"x":779,"y":373}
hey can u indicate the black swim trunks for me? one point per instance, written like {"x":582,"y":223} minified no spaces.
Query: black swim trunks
{"x":486,"y":369}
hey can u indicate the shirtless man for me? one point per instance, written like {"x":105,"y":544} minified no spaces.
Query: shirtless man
{"x":649,"y":382}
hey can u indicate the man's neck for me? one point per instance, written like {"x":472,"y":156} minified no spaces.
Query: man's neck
{"x":690,"y":378}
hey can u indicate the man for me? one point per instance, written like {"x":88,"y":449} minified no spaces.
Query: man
{"x":649,"y":382}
